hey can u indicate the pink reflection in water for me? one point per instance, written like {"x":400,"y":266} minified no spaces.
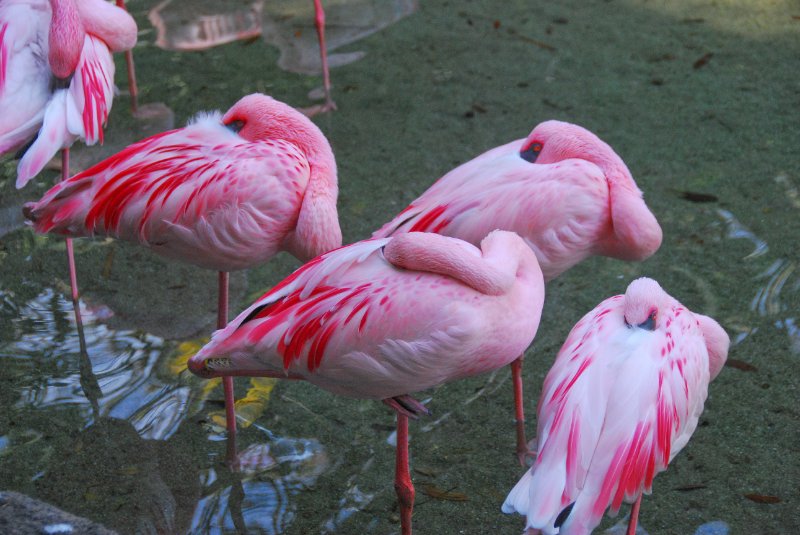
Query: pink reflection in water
{"x":188,"y":25}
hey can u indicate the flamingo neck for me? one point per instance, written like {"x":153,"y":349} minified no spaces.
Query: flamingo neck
{"x":65,"y":39}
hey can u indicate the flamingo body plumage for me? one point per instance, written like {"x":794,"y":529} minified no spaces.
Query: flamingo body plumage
{"x":386,"y":317}
{"x":207,"y":194}
{"x":621,"y":400}
{"x":571,"y":198}
{"x":56,"y":75}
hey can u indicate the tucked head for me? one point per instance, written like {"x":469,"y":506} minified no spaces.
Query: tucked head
{"x":645,"y":302}
{"x":259,"y":117}
{"x":554,"y":141}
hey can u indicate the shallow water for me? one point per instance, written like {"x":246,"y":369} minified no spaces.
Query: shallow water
{"x":699,"y":98}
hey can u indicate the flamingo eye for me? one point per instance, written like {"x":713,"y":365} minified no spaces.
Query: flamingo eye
{"x":650,"y":323}
{"x":236,"y":126}
{"x":531,"y":152}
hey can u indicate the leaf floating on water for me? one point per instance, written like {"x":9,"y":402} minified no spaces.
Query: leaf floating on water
{"x":762,"y":498}
{"x":435,"y":492}
{"x":740,"y":365}
{"x":694,"y":196}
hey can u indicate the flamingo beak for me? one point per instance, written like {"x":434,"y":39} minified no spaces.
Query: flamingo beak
{"x":209,"y":367}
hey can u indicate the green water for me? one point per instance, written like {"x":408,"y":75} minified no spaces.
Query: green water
{"x":696,"y":96}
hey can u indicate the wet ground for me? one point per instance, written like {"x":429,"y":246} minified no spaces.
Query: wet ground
{"x":699,"y":98}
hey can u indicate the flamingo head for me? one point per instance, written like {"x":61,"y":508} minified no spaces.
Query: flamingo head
{"x":644,"y":303}
{"x":65,"y":39}
{"x":260,"y":117}
{"x":554,"y":141}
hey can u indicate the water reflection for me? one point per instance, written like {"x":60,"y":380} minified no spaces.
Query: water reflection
{"x":288,"y":24}
{"x":257,"y":497}
{"x":113,"y":376}
{"x":769,"y":297}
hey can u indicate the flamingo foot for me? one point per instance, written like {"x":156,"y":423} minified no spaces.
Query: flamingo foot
{"x":407,"y":406}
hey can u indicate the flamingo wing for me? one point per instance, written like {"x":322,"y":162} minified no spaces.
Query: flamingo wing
{"x":79,"y":111}
{"x":615,"y":409}
{"x":557,"y":208}
{"x":91,"y":91}
{"x":24,"y":72}
{"x":330,"y":323}
{"x":201,"y":194}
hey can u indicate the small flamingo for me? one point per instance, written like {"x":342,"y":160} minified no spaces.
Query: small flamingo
{"x":383,"y":318}
{"x":70,"y":42}
{"x":622,"y":399}
{"x":563,"y":189}
{"x":225,"y":193}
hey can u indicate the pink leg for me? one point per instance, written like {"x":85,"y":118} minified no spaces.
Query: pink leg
{"x":319,"y":22}
{"x":402,"y":476}
{"x":227,"y":381}
{"x":134,"y":90}
{"x":73,"y":277}
{"x":524,"y":455}
{"x":634,"y":516}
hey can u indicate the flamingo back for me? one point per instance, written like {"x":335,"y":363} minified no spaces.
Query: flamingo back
{"x":560,"y":209}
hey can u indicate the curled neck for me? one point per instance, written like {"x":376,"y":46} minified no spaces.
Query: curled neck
{"x":110,"y":23}
{"x":65,"y":39}
{"x":491,"y":270}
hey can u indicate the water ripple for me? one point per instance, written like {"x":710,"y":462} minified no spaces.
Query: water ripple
{"x":114,"y":377}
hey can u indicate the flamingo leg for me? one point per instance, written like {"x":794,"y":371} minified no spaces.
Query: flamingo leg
{"x":133,"y":88}
{"x":73,"y":277}
{"x":227,"y":381}
{"x":525,"y":456}
{"x":402,"y":478}
{"x":634,"y":516}
{"x":319,"y":22}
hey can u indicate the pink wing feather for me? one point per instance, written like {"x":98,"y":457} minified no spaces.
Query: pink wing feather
{"x":500,"y":190}
{"x":615,"y":409}
{"x":353,"y":323}
{"x":200,"y":194}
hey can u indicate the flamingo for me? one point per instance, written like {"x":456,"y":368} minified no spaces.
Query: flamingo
{"x":621,"y":400}
{"x":383,"y":318}
{"x":227,"y":192}
{"x":562,"y":188}
{"x":69,"y":42}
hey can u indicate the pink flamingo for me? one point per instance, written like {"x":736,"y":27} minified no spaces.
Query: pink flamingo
{"x":563,"y":189}
{"x":225,"y":193}
{"x":622,"y":399}
{"x":71,"y":42}
{"x":383,"y":318}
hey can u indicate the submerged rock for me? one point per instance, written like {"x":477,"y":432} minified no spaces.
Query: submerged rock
{"x":24,"y":515}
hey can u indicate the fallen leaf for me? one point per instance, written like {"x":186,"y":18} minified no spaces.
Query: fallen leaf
{"x":762,"y":498}
{"x":703,"y":60}
{"x":694,"y":196}
{"x":435,"y":492}
{"x":691,"y":486}
{"x":740,"y":365}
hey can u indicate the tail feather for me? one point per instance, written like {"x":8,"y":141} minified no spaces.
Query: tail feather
{"x":519,"y":498}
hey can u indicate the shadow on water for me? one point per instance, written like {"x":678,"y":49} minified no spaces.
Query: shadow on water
{"x":698,"y":98}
